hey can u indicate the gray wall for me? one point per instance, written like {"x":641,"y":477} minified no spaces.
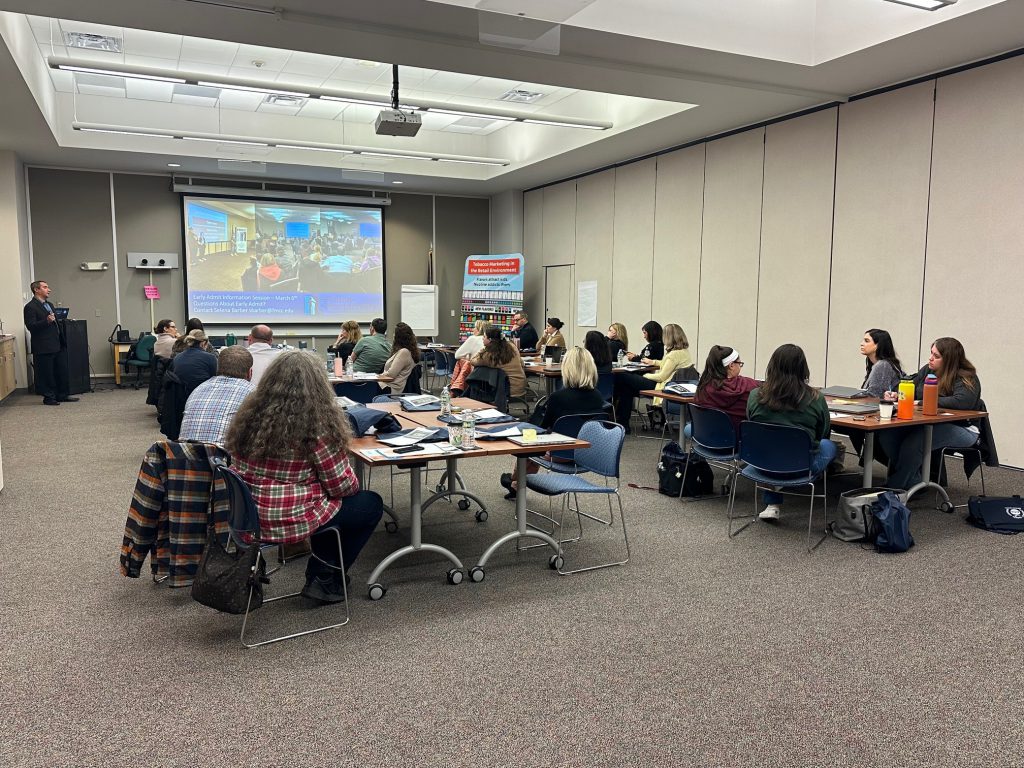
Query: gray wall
{"x":71,"y":222}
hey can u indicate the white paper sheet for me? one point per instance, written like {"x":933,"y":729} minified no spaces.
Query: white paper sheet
{"x":586,"y":303}
{"x":409,"y":439}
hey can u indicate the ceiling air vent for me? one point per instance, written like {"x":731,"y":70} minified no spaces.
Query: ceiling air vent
{"x":92,"y":42}
{"x":280,"y":100}
{"x":519,"y":96}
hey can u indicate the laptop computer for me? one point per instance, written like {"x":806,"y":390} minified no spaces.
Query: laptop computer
{"x":856,"y":409}
{"x":839,"y":391}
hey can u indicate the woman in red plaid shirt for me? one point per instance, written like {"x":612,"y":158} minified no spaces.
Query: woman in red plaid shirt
{"x":289,"y":442}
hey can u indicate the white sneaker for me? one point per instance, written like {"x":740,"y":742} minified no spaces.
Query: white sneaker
{"x":771,"y":512}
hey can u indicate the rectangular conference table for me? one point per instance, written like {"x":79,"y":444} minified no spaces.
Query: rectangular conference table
{"x":534,"y":366}
{"x":368,"y":452}
{"x":869,"y":425}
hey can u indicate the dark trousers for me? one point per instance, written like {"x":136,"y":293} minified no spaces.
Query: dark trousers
{"x":628,"y":386}
{"x":51,"y":372}
{"x":356,"y":521}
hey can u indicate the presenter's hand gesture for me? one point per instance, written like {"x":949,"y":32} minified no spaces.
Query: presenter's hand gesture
{"x":50,"y":318}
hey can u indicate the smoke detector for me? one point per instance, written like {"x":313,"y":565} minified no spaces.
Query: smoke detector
{"x":282,"y":100}
{"x":92,"y":42}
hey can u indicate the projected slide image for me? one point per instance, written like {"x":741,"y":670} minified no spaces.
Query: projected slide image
{"x":257,"y":261}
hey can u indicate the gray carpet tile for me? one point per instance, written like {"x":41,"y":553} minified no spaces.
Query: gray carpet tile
{"x":702,"y":651}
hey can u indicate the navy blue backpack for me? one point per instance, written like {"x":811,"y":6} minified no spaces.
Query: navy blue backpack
{"x":890,"y":528}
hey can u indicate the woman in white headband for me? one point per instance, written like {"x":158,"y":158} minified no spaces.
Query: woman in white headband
{"x":723,"y":387}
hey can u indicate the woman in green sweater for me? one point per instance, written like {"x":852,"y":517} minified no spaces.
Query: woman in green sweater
{"x":628,"y":385}
{"x":786,"y":398}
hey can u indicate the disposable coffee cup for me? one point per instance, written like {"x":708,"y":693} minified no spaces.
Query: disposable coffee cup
{"x":549,"y":361}
{"x":885,"y":410}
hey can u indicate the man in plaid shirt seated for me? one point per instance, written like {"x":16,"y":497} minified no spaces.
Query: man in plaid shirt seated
{"x":213,"y":404}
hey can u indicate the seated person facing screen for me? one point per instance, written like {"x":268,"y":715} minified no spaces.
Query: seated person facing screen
{"x":405,"y":353}
{"x":348,"y":337}
{"x":370,"y":354}
{"x":629,"y":385}
{"x":959,"y":390}
{"x":193,"y":324}
{"x":498,"y":352}
{"x":882,"y":368}
{"x":578,"y":395}
{"x":596,"y":343}
{"x":474,"y":343}
{"x":722,"y":387}
{"x":787,"y":399}
{"x":523,"y":331}
{"x":214,"y":403}
{"x":618,"y":340}
{"x":194,"y":365}
{"x":261,"y":347}
{"x":289,"y":442}
{"x":166,"y":335}
{"x":552,"y":335}
{"x":655,"y":347}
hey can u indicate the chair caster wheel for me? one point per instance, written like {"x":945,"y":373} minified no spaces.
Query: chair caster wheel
{"x":440,"y":488}
{"x":947,"y":507}
{"x":555,"y":562}
{"x":476,"y":574}
{"x":377,"y":591}
{"x":463,"y":504}
{"x":391,"y":526}
{"x":455,"y":576}
{"x":481,"y":515}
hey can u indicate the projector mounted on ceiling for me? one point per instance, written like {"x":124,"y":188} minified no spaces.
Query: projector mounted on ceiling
{"x":394,"y":121}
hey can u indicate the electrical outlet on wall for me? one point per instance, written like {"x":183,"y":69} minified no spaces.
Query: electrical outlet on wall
{"x":98,"y":313}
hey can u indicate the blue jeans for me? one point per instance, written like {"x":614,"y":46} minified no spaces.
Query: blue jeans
{"x":905,"y":449}
{"x":824,"y":456}
{"x":356,"y":521}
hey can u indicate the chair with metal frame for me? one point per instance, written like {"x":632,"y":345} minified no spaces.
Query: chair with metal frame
{"x":141,"y":358}
{"x":358,"y":391}
{"x":779,"y":457}
{"x":444,"y":366}
{"x":243,"y":530}
{"x":601,"y":458}
{"x":713,"y":438}
{"x":982,"y":452}
{"x":670,"y":408}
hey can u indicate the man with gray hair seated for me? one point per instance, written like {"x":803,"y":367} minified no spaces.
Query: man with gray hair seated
{"x":213,"y":404}
{"x":261,"y":347}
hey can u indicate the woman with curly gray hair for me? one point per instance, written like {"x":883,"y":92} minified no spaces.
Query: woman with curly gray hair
{"x":289,"y":442}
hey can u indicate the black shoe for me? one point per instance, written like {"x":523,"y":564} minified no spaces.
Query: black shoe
{"x":50,"y":401}
{"x":510,"y":495}
{"x":324,"y":589}
{"x":68,"y":399}
{"x":506,"y":481}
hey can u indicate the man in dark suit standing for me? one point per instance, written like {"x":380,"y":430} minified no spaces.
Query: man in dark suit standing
{"x":51,"y":367}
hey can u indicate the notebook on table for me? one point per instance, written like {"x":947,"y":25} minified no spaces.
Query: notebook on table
{"x":552,"y":439}
{"x":839,"y":391}
{"x":853,"y":408}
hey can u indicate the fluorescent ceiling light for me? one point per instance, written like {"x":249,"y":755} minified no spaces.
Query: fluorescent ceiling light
{"x":247,"y":88}
{"x":470,"y":161}
{"x":395,"y":156}
{"x":352,"y":100}
{"x":220,"y":140}
{"x":557,"y":124}
{"x":124,"y":133}
{"x":285,"y":145}
{"x":461,"y":113}
{"x":115,"y":73}
{"x":924,"y":5}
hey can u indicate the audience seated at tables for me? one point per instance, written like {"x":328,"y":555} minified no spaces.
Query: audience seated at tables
{"x":552,"y":335}
{"x":629,"y":385}
{"x":166,"y":335}
{"x":498,"y":352}
{"x":722,"y":387}
{"x":261,"y":340}
{"x":883,"y":369}
{"x":655,"y":347}
{"x":578,"y":395}
{"x":405,"y":354}
{"x":213,"y":404}
{"x":525,"y":333}
{"x":289,"y":442}
{"x":193,"y":324}
{"x":194,"y":365}
{"x":787,"y":399}
{"x":596,"y":343}
{"x":185,"y":372}
{"x":371,"y":352}
{"x":348,"y":337}
{"x":474,"y":343}
{"x":618,"y":339}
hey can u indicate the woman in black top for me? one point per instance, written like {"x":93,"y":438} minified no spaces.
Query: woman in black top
{"x":578,"y":395}
{"x":599,"y":347}
{"x":618,"y":339}
{"x":655,"y":349}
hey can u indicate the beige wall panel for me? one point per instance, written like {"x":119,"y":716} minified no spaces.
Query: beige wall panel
{"x":678,"y":223}
{"x":533,"y":249}
{"x":559,"y":225}
{"x":882,"y":168}
{"x":731,"y":241}
{"x":633,"y":242}
{"x":595,"y":210}
{"x":796,"y":239}
{"x":975,"y":266}
{"x":463,"y":225}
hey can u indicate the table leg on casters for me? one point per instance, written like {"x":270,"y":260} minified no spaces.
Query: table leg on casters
{"x":449,"y":490}
{"x":376,"y":589}
{"x":926,"y":470}
{"x":476,"y":573}
{"x":867,"y":476}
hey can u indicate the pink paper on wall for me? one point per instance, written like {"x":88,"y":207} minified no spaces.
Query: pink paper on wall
{"x":152,"y":292}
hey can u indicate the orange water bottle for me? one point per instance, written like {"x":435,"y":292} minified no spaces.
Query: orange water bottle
{"x":930,"y":396}
{"x":905,"y":405}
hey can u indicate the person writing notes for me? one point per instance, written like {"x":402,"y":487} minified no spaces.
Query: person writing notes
{"x":655,"y":348}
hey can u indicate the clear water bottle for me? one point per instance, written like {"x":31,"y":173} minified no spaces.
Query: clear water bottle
{"x":350,"y":367}
{"x":620,"y":359}
{"x":330,"y":363}
{"x":446,"y":401}
{"x":468,"y":431}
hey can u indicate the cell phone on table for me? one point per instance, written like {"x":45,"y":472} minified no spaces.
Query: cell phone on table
{"x":408,"y":449}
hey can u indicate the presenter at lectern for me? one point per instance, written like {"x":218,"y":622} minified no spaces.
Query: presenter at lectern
{"x":51,"y":367}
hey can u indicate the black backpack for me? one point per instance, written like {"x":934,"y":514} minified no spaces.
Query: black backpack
{"x":1000,"y":515}
{"x":700,"y":480}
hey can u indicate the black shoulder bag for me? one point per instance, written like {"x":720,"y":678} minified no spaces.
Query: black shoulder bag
{"x":224,"y":579}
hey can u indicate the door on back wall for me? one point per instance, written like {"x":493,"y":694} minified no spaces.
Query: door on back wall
{"x":559,"y":301}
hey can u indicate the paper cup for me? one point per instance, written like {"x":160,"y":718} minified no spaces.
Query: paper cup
{"x":529,"y":435}
{"x":549,"y":361}
{"x":885,"y":410}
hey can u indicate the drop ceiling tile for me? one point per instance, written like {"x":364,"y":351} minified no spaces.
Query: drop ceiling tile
{"x":434,"y":122}
{"x":99,"y":90}
{"x":447,"y":82}
{"x":57,"y":50}
{"x":46,"y":29}
{"x":149,"y":61}
{"x":148,"y":90}
{"x":240,"y":100}
{"x":203,"y":67}
{"x":63,"y":81}
{"x":195,"y":101}
{"x":208,"y":51}
{"x":359,"y":113}
{"x":273,"y":59}
{"x":95,"y":56}
{"x":351,"y":71}
{"x":324,"y":110}
{"x":490,"y":88}
{"x":276,"y":109}
{"x":253,"y":73}
{"x":310,"y":65}
{"x":299,"y":81}
{"x":159,"y":45}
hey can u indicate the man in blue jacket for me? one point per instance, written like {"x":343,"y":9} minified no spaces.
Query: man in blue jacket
{"x":50,"y":366}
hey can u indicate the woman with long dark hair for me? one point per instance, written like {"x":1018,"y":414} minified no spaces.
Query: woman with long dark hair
{"x":405,"y":353}
{"x":654,"y":350}
{"x":596,"y":343}
{"x":629,"y":385}
{"x":498,"y":352}
{"x":722,"y":386}
{"x":959,"y":389}
{"x":786,"y":398}
{"x":882,"y":369}
{"x":289,"y":442}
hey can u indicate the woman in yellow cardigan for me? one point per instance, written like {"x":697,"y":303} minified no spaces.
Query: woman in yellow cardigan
{"x":628,"y":385}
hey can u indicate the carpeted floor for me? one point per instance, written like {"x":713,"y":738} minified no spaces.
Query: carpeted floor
{"x":702,"y":651}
